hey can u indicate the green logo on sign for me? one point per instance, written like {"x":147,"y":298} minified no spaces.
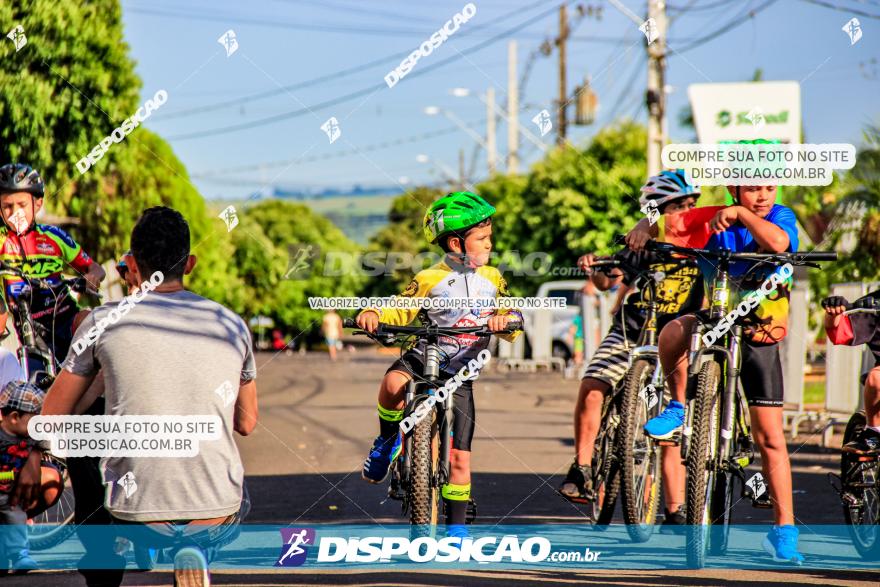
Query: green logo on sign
{"x":724,"y":118}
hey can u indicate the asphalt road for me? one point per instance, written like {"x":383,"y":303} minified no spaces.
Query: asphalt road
{"x":317,"y":421}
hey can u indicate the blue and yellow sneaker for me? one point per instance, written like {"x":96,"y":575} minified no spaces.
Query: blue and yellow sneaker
{"x":378,"y":463}
{"x":667,"y":423}
{"x":781,"y":543}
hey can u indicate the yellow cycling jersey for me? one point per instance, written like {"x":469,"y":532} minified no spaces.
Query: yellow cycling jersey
{"x":448,"y":279}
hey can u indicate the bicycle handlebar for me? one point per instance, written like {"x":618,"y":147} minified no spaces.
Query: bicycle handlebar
{"x":390,"y":330}
{"x":795,"y":258}
{"x":866,"y":305}
{"x":77,"y":284}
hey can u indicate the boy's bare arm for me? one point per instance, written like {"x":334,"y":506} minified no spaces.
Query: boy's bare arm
{"x":641,"y":233}
{"x":769,"y":236}
{"x":95,"y":275}
{"x":601,"y":280}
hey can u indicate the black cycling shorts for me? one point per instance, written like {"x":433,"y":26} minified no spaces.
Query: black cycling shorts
{"x":760,"y":373}
{"x":462,"y":400}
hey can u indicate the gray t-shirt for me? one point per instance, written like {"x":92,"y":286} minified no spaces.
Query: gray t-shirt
{"x":168,"y":356}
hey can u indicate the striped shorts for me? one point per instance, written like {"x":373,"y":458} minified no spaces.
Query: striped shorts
{"x":611,"y":360}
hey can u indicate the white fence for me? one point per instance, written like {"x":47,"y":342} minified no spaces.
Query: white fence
{"x":844,"y":365}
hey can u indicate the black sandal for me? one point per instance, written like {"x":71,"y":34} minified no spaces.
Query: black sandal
{"x":581,"y":477}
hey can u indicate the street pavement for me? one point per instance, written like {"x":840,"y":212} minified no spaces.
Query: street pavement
{"x":317,"y":421}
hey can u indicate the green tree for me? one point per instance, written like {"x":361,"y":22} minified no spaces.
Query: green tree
{"x":263,"y":251}
{"x":574,"y":201}
{"x":859,"y":190}
{"x":403,"y":234}
{"x":71,"y":85}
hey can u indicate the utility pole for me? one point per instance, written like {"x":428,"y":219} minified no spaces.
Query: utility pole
{"x":491,"y":156}
{"x":656,"y":94}
{"x":512,"y":110}
{"x":563,"y":91}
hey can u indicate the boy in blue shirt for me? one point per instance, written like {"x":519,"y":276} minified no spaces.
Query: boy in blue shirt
{"x":754,"y":224}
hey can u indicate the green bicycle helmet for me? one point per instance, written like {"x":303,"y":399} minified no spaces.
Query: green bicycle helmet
{"x":455,"y":212}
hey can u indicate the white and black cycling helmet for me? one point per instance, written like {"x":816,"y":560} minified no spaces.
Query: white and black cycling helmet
{"x":668,"y":186}
{"x":20,"y":177}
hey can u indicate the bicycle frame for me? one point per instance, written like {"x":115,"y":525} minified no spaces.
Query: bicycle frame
{"x":418,"y":392}
{"x":729,"y":355}
{"x":31,"y":345}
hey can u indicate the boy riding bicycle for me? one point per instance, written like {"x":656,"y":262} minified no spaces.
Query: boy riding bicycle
{"x":460,"y":223}
{"x":755,"y":223}
{"x":679,"y":292}
{"x":855,"y":330}
{"x":39,"y":251}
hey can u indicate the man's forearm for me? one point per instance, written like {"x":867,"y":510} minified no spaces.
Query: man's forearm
{"x":67,"y":390}
{"x":768,"y":235}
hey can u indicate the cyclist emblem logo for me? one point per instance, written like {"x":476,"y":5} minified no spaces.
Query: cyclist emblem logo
{"x":292,"y":552}
{"x":128,"y":484}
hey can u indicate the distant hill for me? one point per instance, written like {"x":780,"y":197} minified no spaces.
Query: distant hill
{"x":312,"y":194}
{"x":359,"y":212}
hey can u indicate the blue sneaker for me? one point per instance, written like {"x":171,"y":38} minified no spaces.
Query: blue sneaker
{"x":383,"y":453}
{"x":665,"y":425}
{"x":457,"y":531}
{"x":781,"y":543}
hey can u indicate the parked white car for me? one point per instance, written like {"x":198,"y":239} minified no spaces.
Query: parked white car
{"x":562,"y":319}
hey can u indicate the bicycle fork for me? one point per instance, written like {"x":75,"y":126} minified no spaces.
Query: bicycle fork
{"x":728,"y":423}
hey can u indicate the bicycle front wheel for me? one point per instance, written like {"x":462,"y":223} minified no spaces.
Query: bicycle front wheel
{"x":861,"y":494}
{"x":55,"y":525}
{"x":424,"y":493}
{"x":638,"y":453}
{"x":701,"y":462}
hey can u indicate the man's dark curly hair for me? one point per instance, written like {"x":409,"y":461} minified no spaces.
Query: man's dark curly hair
{"x":160,"y":242}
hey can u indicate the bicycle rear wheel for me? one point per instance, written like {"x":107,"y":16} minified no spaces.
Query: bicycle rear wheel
{"x":700,"y":462}
{"x":606,"y":472}
{"x":861,"y":494}
{"x":638,"y":453}
{"x":424,"y":497}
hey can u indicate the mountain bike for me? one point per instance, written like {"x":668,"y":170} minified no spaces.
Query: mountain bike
{"x":716,"y":443}
{"x":40,"y":366}
{"x":859,"y":482}
{"x":640,"y":396}
{"x":422,"y":468}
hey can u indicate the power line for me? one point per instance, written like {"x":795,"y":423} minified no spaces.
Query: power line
{"x":626,"y":88}
{"x":333,"y":155}
{"x":354,"y":8}
{"x":394,"y":58}
{"x":311,"y":27}
{"x":842,"y":8}
{"x":737,"y":21}
{"x":701,"y":7}
{"x":364,"y":91}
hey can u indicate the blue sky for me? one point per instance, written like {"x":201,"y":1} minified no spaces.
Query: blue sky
{"x":285,"y":42}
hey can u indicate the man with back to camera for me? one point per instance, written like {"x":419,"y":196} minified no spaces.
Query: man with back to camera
{"x":168,"y":355}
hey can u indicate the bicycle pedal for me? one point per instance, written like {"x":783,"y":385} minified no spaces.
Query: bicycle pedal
{"x":674,"y":441}
{"x":396,"y":494}
{"x":471,"y":514}
{"x":763,"y":502}
{"x":866,"y":458}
